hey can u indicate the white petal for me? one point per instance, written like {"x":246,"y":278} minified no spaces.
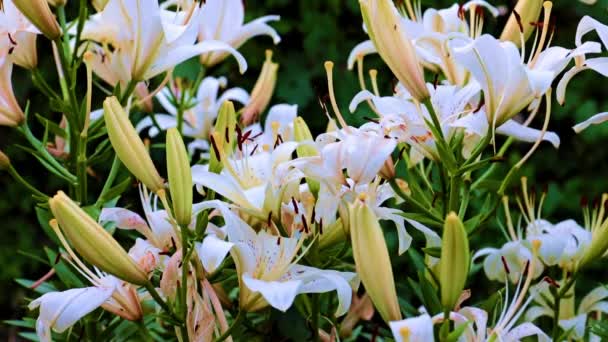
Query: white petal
{"x":599,"y":64}
{"x":182,"y":53}
{"x":594,"y":120}
{"x":362,"y":49}
{"x":321,"y":281}
{"x":212,"y":252}
{"x":577,"y":324}
{"x":520,"y":132}
{"x":280,"y":295}
{"x":413,"y":329}
{"x":535,"y":312}
{"x":258,"y":27}
{"x":221,"y":184}
{"x":595,"y":296}
{"x":405,"y":240}
{"x":124,"y":219}
{"x":588,"y":24}
{"x":525,"y":330}
{"x":60,"y":310}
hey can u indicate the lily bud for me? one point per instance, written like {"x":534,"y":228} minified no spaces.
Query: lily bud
{"x":520,"y":22}
{"x":5,"y":162}
{"x":302,"y":134}
{"x":599,"y":236}
{"x":372,"y":260}
{"x":262,"y":91}
{"x":99,"y":5}
{"x":180,"y":177}
{"x":387,"y":32}
{"x":223,"y":135}
{"x":39,"y":13}
{"x":454,"y":261}
{"x":128,"y":146}
{"x":93,"y":242}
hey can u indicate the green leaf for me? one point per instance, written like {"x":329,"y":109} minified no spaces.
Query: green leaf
{"x":51,"y":126}
{"x":435,"y":252}
{"x":429,"y":294}
{"x":42,"y":289}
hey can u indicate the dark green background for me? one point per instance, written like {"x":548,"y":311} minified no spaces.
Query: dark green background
{"x":314,"y":31}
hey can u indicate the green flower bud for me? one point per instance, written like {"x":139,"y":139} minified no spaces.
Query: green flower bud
{"x":128,"y":146}
{"x":528,"y":12}
{"x":372,"y":260}
{"x":180,"y":177}
{"x":454,"y":261}
{"x":93,"y":242}
{"x":39,"y":13}
{"x":223,"y":135}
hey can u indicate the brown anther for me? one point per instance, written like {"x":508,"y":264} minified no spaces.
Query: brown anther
{"x":505,"y":265}
{"x":518,"y":18}
{"x":269,"y":220}
{"x":305,"y":224}
{"x":321,"y":226}
{"x":215,"y":148}
{"x":551,"y":281}
{"x":253,"y":151}
{"x":295,"y":206}
{"x":367,"y":118}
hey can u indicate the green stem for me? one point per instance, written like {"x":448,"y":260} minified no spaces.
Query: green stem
{"x":556,"y":305}
{"x":315,"y":317}
{"x":81,"y":169}
{"x":413,"y":202}
{"x":128,"y":91}
{"x":37,"y":144}
{"x":109,"y":181}
{"x":237,"y":321}
{"x":455,"y":183}
{"x":11,"y":170}
{"x":160,"y":301}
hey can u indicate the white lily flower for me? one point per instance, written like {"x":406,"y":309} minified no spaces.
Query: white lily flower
{"x":594,"y":302}
{"x":509,"y":85}
{"x":401,"y":119}
{"x":146,"y":40}
{"x":247,"y":176}
{"x":61,"y":310}
{"x":10,"y":111}
{"x":429,"y":35}
{"x":199,"y":119}
{"x":268,"y":269}
{"x":223,"y":20}
{"x":18,"y":36}
{"x":598,"y":64}
{"x":476,"y":127}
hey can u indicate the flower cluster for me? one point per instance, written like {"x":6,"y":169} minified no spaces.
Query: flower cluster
{"x":252,"y":213}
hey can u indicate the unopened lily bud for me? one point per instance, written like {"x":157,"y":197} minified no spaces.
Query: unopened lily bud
{"x":5,"y":162}
{"x":386,"y":30}
{"x":93,"y":242}
{"x":599,"y":237}
{"x":454,"y":261}
{"x":39,"y":13}
{"x":99,"y":4}
{"x":372,"y":260}
{"x":223,"y":136}
{"x":302,"y":134}
{"x":262,"y":91}
{"x":128,"y":146}
{"x":180,"y":177}
{"x":522,"y":21}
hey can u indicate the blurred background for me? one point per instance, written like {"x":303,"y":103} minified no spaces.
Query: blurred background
{"x":312,"y":32}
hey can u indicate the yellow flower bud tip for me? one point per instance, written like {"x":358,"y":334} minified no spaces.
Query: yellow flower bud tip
{"x":5,"y":162}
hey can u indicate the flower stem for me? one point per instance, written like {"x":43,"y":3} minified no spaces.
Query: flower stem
{"x":160,"y":301}
{"x":237,"y":321}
